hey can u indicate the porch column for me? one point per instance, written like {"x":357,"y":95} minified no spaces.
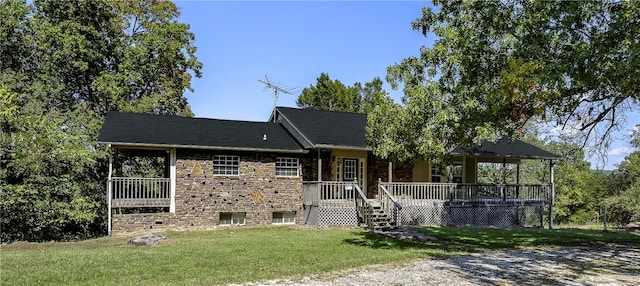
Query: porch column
{"x":504,"y":171}
{"x":319,"y":166}
{"x":518,"y":173}
{"x":109,"y":190}
{"x":464,"y":169}
{"x":553,"y":195}
{"x":390,"y":171}
{"x":172,"y":176}
{"x":475,"y":163}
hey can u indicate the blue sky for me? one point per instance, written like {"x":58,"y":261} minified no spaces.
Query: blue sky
{"x":292,"y":43}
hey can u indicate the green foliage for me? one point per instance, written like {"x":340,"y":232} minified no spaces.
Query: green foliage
{"x":63,"y":66}
{"x":496,"y":65}
{"x":333,"y":95}
{"x":47,"y":177}
{"x":624,"y":206}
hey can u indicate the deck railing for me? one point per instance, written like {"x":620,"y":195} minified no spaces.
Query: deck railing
{"x":389,"y":203}
{"x":495,"y":193}
{"x":338,"y":194}
{"x":363,"y":207}
{"x":140,"y":192}
{"x":329,"y":192}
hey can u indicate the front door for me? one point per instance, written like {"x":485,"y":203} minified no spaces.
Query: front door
{"x":350,"y":169}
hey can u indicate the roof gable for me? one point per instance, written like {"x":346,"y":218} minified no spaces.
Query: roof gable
{"x":322,"y":129}
{"x":177,"y":131}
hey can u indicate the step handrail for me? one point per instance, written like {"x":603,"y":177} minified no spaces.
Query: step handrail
{"x":385,"y":197}
{"x":363,"y":207}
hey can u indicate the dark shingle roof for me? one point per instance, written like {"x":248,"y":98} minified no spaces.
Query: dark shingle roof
{"x":505,"y":148}
{"x":322,"y":129}
{"x":164,"y":130}
{"x":311,"y":128}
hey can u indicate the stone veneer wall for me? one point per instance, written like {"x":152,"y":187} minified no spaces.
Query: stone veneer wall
{"x":201,"y":196}
{"x":379,"y":169}
{"x":310,"y":166}
{"x":125,"y":223}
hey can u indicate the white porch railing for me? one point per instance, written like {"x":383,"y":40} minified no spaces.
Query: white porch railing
{"x":338,"y":196}
{"x":329,"y":193}
{"x":140,"y":192}
{"x":389,"y":203}
{"x":470,"y":192}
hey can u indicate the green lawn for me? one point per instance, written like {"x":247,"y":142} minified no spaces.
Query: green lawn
{"x":493,"y":238}
{"x":253,"y":254}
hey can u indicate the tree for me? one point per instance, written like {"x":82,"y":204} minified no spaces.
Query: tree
{"x":624,"y":206}
{"x":333,"y":95}
{"x":63,"y":66}
{"x":495,"y":65}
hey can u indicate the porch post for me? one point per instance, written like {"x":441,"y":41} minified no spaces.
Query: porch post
{"x":464,"y":169}
{"x":518,"y":179}
{"x":504,"y":171}
{"x":553,"y":195}
{"x":172,"y":176}
{"x":475,"y":163}
{"x":390,"y":171}
{"x":109,"y":190}
{"x":319,"y":166}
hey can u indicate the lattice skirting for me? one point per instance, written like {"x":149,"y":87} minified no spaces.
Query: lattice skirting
{"x":437,"y":213}
{"x":332,"y":216}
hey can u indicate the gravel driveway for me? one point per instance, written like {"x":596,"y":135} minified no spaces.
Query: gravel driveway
{"x":605,"y":265}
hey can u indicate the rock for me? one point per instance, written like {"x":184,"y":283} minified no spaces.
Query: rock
{"x":147,"y":240}
{"x":634,"y":225}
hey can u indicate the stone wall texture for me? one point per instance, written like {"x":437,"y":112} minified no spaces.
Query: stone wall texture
{"x":202,"y":196}
{"x":310,"y":166}
{"x":379,"y":169}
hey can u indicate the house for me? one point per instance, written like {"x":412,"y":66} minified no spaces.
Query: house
{"x":302,"y":166}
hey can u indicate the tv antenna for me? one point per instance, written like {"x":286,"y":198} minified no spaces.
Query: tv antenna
{"x":277,"y":89}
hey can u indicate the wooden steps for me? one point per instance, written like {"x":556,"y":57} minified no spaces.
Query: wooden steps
{"x":380,"y":220}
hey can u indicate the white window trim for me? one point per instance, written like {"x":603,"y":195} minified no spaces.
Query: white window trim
{"x":226,"y":158}
{"x":282,"y":220}
{"x":234,"y":216}
{"x":297,"y":167}
{"x":353,"y":168}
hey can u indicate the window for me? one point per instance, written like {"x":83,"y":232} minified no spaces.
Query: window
{"x":284,"y":218}
{"x":226,"y":165}
{"x":455,"y":172}
{"x":350,"y":169}
{"x":232,"y":218}
{"x":436,"y":174}
{"x":452,"y":173}
{"x":287,"y":167}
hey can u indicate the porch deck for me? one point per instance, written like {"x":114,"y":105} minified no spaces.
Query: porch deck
{"x":140,"y":192}
{"x":336,"y":203}
{"x":471,"y":194}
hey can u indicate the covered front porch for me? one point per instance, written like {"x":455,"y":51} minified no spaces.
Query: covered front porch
{"x":477,"y":186}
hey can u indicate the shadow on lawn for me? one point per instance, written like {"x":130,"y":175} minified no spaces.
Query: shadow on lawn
{"x":379,"y":241}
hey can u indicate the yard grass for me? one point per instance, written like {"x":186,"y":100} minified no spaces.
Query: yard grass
{"x":494,"y":238}
{"x":230,"y":255}
{"x":235,"y":255}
